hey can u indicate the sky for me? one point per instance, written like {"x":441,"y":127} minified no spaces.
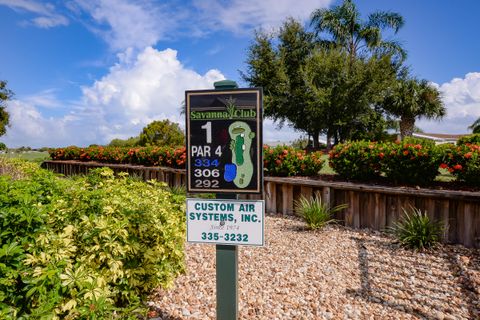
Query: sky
{"x":88,"y":71}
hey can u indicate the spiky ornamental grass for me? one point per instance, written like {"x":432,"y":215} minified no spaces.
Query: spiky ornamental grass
{"x":416,"y":230}
{"x":316,"y":213}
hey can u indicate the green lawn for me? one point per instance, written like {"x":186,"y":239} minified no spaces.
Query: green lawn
{"x":326,"y":168}
{"x":34,"y":156}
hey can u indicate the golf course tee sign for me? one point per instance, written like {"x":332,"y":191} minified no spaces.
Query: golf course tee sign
{"x":224,"y":131}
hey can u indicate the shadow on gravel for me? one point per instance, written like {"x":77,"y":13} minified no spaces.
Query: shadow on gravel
{"x":459,"y":266}
{"x":414,"y":293}
{"x":165,"y":316}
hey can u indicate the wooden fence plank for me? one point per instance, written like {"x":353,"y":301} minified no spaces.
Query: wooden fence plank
{"x":287,"y":200}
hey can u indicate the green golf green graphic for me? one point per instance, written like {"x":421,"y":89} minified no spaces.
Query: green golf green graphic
{"x":241,"y":136}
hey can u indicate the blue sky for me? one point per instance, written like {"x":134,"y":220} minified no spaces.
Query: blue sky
{"x":89,"y":71}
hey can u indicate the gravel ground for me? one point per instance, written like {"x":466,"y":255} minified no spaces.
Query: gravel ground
{"x":336,"y":273}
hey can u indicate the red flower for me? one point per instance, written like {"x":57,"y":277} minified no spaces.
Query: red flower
{"x":278,"y":162}
{"x":405,"y":153}
{"x":457,"y":167}
{"x":381,"y":155}
{"x":468,"y":155}
{"x":444,"y":166}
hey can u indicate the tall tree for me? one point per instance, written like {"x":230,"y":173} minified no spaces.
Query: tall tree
{"x":357,"y":36}
{"x":5,"y":95}
{"x":315,"y":88}
{"x":409,"y":99}
{"x":475,"y":127}
{"x":347,"y":94}
{"x":278,"y":69}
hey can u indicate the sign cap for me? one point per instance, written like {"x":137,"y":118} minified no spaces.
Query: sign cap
{"x":225,"y":84}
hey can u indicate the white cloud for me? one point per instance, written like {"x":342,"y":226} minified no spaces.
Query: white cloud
{"x":242,"y":16}
{"x":123,"y":24}
{"x":47,"y":15}
{"x":462,"y":100}
{"x":137,"y":90}
{"x":151,"y":87}
{"x":45,"y":99}
{"x":272,"y":133}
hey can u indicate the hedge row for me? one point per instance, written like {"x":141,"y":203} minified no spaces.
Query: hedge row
{"x":147,"y":156}
{"x":405,"y":162}
{"x":90,"y":247}
{"x":278,"y":161}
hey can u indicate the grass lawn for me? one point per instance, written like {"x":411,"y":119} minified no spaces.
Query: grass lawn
{"x":34,"y":156}
{"x":326,"y":168}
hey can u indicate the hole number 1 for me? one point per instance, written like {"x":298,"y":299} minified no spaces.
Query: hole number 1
{"x":208,"y":126}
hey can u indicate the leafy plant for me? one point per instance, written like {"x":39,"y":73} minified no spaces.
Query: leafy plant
{"x":316,"y":213}
{"x":358,"y":160}
{"x":410,"y":163}
{"x":90,"y":247}
{"x":463,"y":162}
{"x":288,"y":161}
{"x":416,"y":231}
{"x":470,"y":139}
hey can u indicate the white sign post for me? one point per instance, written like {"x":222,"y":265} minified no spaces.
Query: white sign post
{"x":227,"y":222}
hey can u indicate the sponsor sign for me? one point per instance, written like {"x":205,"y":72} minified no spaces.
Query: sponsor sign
{"x":232,"y":222}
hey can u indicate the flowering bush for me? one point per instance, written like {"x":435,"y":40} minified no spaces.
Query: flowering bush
{"x":401,"y":162}
{"x":279,"y":161}
{"x":148,"y":156}
{"x":358,"y":160}
{"x":470,"y":139}
{"x":463,"y":162}
{"x":410,"y":163}
{"x":288,"y":161}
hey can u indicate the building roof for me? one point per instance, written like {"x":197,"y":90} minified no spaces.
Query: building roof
{"x":440,"y":136}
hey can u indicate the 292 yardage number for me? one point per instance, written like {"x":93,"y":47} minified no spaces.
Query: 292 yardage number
{"x":206,"y":183}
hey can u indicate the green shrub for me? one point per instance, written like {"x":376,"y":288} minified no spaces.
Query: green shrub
{"x":357,"y":160}
{"x":463,"y":162}
{"x":147,"y":156}
{"x":88,"y":247}
{"x":287,"y":161}
{"x":416,"y":231}
{"x":315,"y":213}
{"x":421,"y":141}
{"x":470,"y":139}
{"x":404,"y":162}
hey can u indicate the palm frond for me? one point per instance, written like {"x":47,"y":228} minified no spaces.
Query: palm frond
{"x":475,"y":127}
{"x":386,"y":19}
{"x":391,"y":47}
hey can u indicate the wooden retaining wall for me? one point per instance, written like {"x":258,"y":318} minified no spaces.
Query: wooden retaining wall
{"x":375,"y":207}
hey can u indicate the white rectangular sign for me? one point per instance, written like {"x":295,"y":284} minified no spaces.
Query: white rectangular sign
{"x":232,"y":222}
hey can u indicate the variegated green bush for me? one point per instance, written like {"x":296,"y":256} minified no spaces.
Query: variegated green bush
{"x":88,"y":247}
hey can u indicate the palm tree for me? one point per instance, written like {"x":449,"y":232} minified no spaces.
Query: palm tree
{"x":357,"y":36}
{"x":410,"y":99}
{"x":475,"y":127}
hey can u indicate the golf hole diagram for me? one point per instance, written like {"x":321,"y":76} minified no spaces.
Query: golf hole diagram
{"x":240,"y":171}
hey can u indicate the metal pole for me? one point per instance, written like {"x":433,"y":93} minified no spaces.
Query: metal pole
{"x":227,"y":257}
